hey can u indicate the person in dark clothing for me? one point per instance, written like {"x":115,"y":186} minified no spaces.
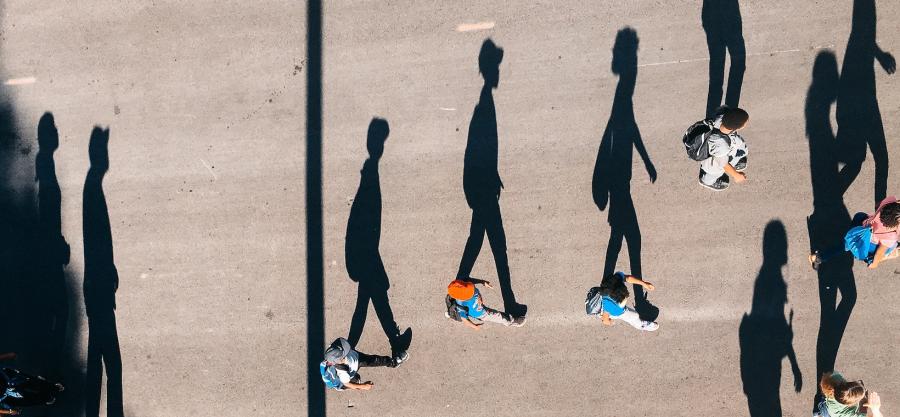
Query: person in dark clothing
{"x":482,"y":184}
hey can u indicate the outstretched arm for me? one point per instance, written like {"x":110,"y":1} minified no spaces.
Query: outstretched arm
{"x":631,"y":279}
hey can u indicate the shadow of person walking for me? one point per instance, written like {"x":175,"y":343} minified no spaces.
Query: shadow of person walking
{"x":858,"y":116}
{"x":361,"y":248}
{"x":54,"y":251}
{"x":765,"y":336}
{"x":101,"y":281}
{"x":482,"y":184}
{"x":721,"y":20}
{"x":830,"y":218}
{"x":612,"y":172}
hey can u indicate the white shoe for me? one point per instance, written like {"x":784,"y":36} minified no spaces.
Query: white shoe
{"x":649,"y":326}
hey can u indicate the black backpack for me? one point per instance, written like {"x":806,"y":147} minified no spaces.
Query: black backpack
{"x":593,"y":304}
{"x":696,"y":140}
{"x":452,"y":309}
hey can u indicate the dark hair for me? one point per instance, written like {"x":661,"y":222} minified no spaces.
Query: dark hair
{"x":844,"y":392}
{"x":890,"y":215}
{"x":613,"y":286}
{"x":735,"y":118}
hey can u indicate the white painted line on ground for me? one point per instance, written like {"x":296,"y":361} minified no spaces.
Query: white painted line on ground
{"x":216,"y":177}
{"x":448,"y":108}
{"x":21,"y":81}
{"x":471,"y":27}
{"x":684,"y":61}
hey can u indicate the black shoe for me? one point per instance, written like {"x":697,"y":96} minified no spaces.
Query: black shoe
{"x":402,"y":341}
{"x":722,"y":183}
{"x":741,"y":164}
{"x":399,"y":358}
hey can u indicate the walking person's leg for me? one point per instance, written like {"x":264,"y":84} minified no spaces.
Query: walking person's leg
{"x":737,"y":54}
{"x":711,"y":169}
{"x":358,"y":321}
{"x":631,"y":317}
{"x":370,"y":361}
{"x":493,"y":223}
{"x":495,"y":316}
{"x":473,"y":246}
{"x":716,"y":45}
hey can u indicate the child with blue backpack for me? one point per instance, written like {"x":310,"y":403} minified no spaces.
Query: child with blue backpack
{"x":873,"y":240}
{"x":609,"y":301}
{"x":464,"y":304}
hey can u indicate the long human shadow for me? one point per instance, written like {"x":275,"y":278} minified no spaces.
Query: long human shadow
{"x":33,"y":259}
{"x":101,"y":281}
{"x":721,"y":20}
{"x":830,"y":218}
{"x":765,"y":336}
{"x":54,"y":251}
{"x":361,"y":248}
{"x":612,"y":172}
{"x":482,"y":184}
{"x":858,"y":116}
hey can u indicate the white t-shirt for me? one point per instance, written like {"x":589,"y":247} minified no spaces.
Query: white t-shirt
{"x":352,"y":362}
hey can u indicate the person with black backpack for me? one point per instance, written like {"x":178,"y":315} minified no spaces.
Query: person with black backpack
{"x":609,"y":301}
{"x":465,"y":305}
{"x":722,"y":152}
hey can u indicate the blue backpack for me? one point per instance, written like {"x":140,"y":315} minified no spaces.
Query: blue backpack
{"x":858,"y":241}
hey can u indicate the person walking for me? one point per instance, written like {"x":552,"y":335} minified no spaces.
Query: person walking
{"x":727,"y":150}
{"x":340,"y":369}
{"x":844,"y":398}
{"x":465,"y":304}
{"x":873,"y":240}
{"x":610,"y":301}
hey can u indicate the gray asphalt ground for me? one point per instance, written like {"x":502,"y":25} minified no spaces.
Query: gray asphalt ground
{"x":205,"y":105}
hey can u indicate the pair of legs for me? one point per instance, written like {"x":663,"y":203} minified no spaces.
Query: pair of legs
{"x":103,"y":354}
{"x":722,"y":25}
{"x":369,"y":290}
{"x":632,"y":317}
{"x":711,"y":169}
{"x":494,"y":316}
{"x":487,"y":220}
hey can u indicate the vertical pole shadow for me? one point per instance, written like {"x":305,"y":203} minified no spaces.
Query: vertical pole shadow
{"x":830,"y":218}
{"x":721,"y":20}
{"x":765,"y":336}
{"x":611,"y":183}
{"x":315,"y":291}
{"x":482,"y":184}
{"x":361,"y":248}
{"x":101,"y":281}
{"x":858,"y":116}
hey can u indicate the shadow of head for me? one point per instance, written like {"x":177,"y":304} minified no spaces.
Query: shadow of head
{"x":378,"y":133}
{"x":624,"y":59}
{"x":98,"y":150}
{"x":489,"y":63}
{"x":825,"y":75}
{"x":48,"y":137}
{"x":775,"y":244}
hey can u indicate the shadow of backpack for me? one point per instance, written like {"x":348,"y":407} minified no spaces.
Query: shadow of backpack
{"x":593,"y":304}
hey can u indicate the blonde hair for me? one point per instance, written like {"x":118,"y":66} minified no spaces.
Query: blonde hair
{"x":836,"y":387}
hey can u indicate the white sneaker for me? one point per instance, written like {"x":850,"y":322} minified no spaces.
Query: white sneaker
{"x":649,"y":326}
